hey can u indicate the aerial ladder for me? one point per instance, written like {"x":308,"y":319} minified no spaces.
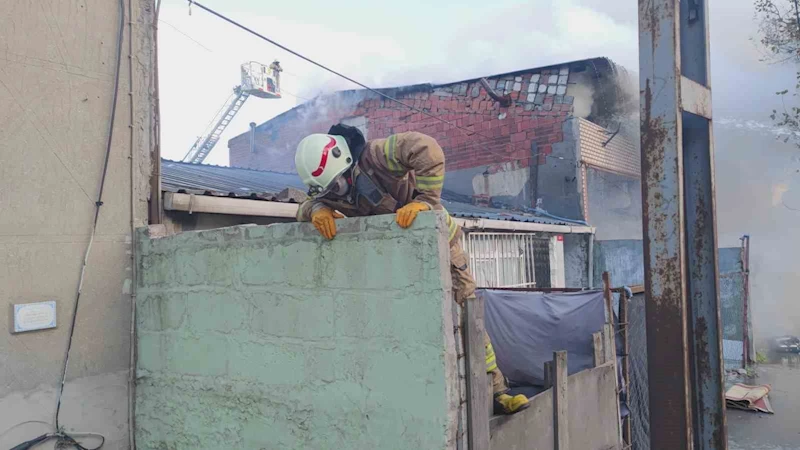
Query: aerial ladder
{"x":257,"y":80}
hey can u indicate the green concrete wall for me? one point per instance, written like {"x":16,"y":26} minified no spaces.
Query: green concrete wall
{"x":269,"y":337}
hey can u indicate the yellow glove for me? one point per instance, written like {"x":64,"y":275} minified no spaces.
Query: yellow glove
{"x":323,"y":220}
{"x":407,"y":214}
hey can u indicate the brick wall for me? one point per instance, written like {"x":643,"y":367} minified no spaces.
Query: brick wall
{"x":523,"y":132}
{"x":269,"y":337}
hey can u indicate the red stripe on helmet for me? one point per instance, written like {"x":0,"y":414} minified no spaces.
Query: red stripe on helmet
{"x":324,"y":160}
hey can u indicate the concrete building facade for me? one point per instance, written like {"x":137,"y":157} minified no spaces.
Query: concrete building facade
{"x":57,"y":80}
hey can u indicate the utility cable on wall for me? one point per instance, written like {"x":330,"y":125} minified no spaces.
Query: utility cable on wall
{"x":62,"y":438}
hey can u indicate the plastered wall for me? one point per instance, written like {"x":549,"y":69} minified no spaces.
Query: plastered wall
{"x":270,"y":337}
{"x":57,"y":72}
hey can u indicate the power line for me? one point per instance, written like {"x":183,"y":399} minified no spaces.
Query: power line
{"x":189,"y":37}
{"x":284,"y":91}
{"x":328,"y":69}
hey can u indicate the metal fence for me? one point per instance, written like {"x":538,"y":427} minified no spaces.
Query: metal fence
{"x":733,"y":303}
{"x":731,"y":297}
{"x":508,"y":259}
{"x":638,"y":400}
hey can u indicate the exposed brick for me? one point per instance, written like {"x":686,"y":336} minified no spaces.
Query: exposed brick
{"x":518,"y":137}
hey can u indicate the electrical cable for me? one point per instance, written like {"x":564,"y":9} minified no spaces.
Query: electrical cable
{"x":186,"y":35}
{"x":284,"y":91}
{"x":328,"y":69}
{"x":58,"y":434}
{"x":381,"y":94}
{"x":98,"y":204}
{"x":133,"y":193}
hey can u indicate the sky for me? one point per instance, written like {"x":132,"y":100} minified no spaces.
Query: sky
{"x":396,"y":43}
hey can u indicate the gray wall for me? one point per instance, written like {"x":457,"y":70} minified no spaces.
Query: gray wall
{"x":623,"y":259}
{"x":56,"y":85}
{"x":558,"y":180}
{"x":615,"y":205}
{"x":576,"y":257}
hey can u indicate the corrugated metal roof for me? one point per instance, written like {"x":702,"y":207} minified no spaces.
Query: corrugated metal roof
{"x":225,"y":181}
{"x":248,"y":183}
{"x":468,"y":211}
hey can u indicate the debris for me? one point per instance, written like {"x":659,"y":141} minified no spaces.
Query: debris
{"x":291,"y":195}
{"x":749,"y":398}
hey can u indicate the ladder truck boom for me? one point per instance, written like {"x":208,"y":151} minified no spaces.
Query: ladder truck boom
{"x":197,"y":154}
{"x":258,"y":80}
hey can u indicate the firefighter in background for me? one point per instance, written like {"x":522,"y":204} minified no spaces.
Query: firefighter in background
{"x":403,"y":174}
{"x":276,"y":70}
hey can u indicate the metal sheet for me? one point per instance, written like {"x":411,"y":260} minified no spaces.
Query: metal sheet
{"x":695,"y":98}
{"x":679,"y":231}
{"x":259,"y":184}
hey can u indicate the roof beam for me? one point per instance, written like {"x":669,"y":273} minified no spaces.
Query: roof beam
{"x":227,"y":205}
{"x":507,"y":225}
{"x":245,"y":207}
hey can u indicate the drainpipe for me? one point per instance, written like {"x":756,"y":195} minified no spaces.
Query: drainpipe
{"x":591,"y":261}
{"x":252,"y":137}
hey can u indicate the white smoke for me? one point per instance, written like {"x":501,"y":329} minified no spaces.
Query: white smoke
{"x":394,"y":44}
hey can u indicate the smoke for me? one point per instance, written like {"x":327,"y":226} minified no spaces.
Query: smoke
{"x":758,"y":193}
{"x":393,"y":44}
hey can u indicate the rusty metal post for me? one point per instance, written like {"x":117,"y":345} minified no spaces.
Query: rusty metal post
{"x":687,"y":409}
{"x":747,"y":355}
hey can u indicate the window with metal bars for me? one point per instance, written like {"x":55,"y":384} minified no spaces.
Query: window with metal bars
{"x":508,"y":259}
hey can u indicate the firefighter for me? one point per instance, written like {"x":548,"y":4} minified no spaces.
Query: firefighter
{"x":276,"y":70}
{"x":402,"y":174}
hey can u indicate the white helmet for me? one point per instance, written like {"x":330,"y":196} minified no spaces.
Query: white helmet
{"x":321,"y":159}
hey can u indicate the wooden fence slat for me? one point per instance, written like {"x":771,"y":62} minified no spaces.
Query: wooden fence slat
{"x":599,"y":349}
{"x":478,"y":394}
{"x":560,"y":416}
{"x":607,"y":297}
{"x":611,"y":356}
{"x":548,"y":374}
{"x":608,"y":343}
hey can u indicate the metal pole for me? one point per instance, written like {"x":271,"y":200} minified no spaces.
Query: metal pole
{"x":679,"y":220}
{"x":747,"y":357}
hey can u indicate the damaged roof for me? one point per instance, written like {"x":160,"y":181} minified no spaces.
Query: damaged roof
{"x":598,"y":64}
{"x":221,"y":181}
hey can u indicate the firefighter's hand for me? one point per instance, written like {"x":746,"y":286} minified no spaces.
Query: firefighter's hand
{"x":323,"y":220}
{"x":407,"y":214}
